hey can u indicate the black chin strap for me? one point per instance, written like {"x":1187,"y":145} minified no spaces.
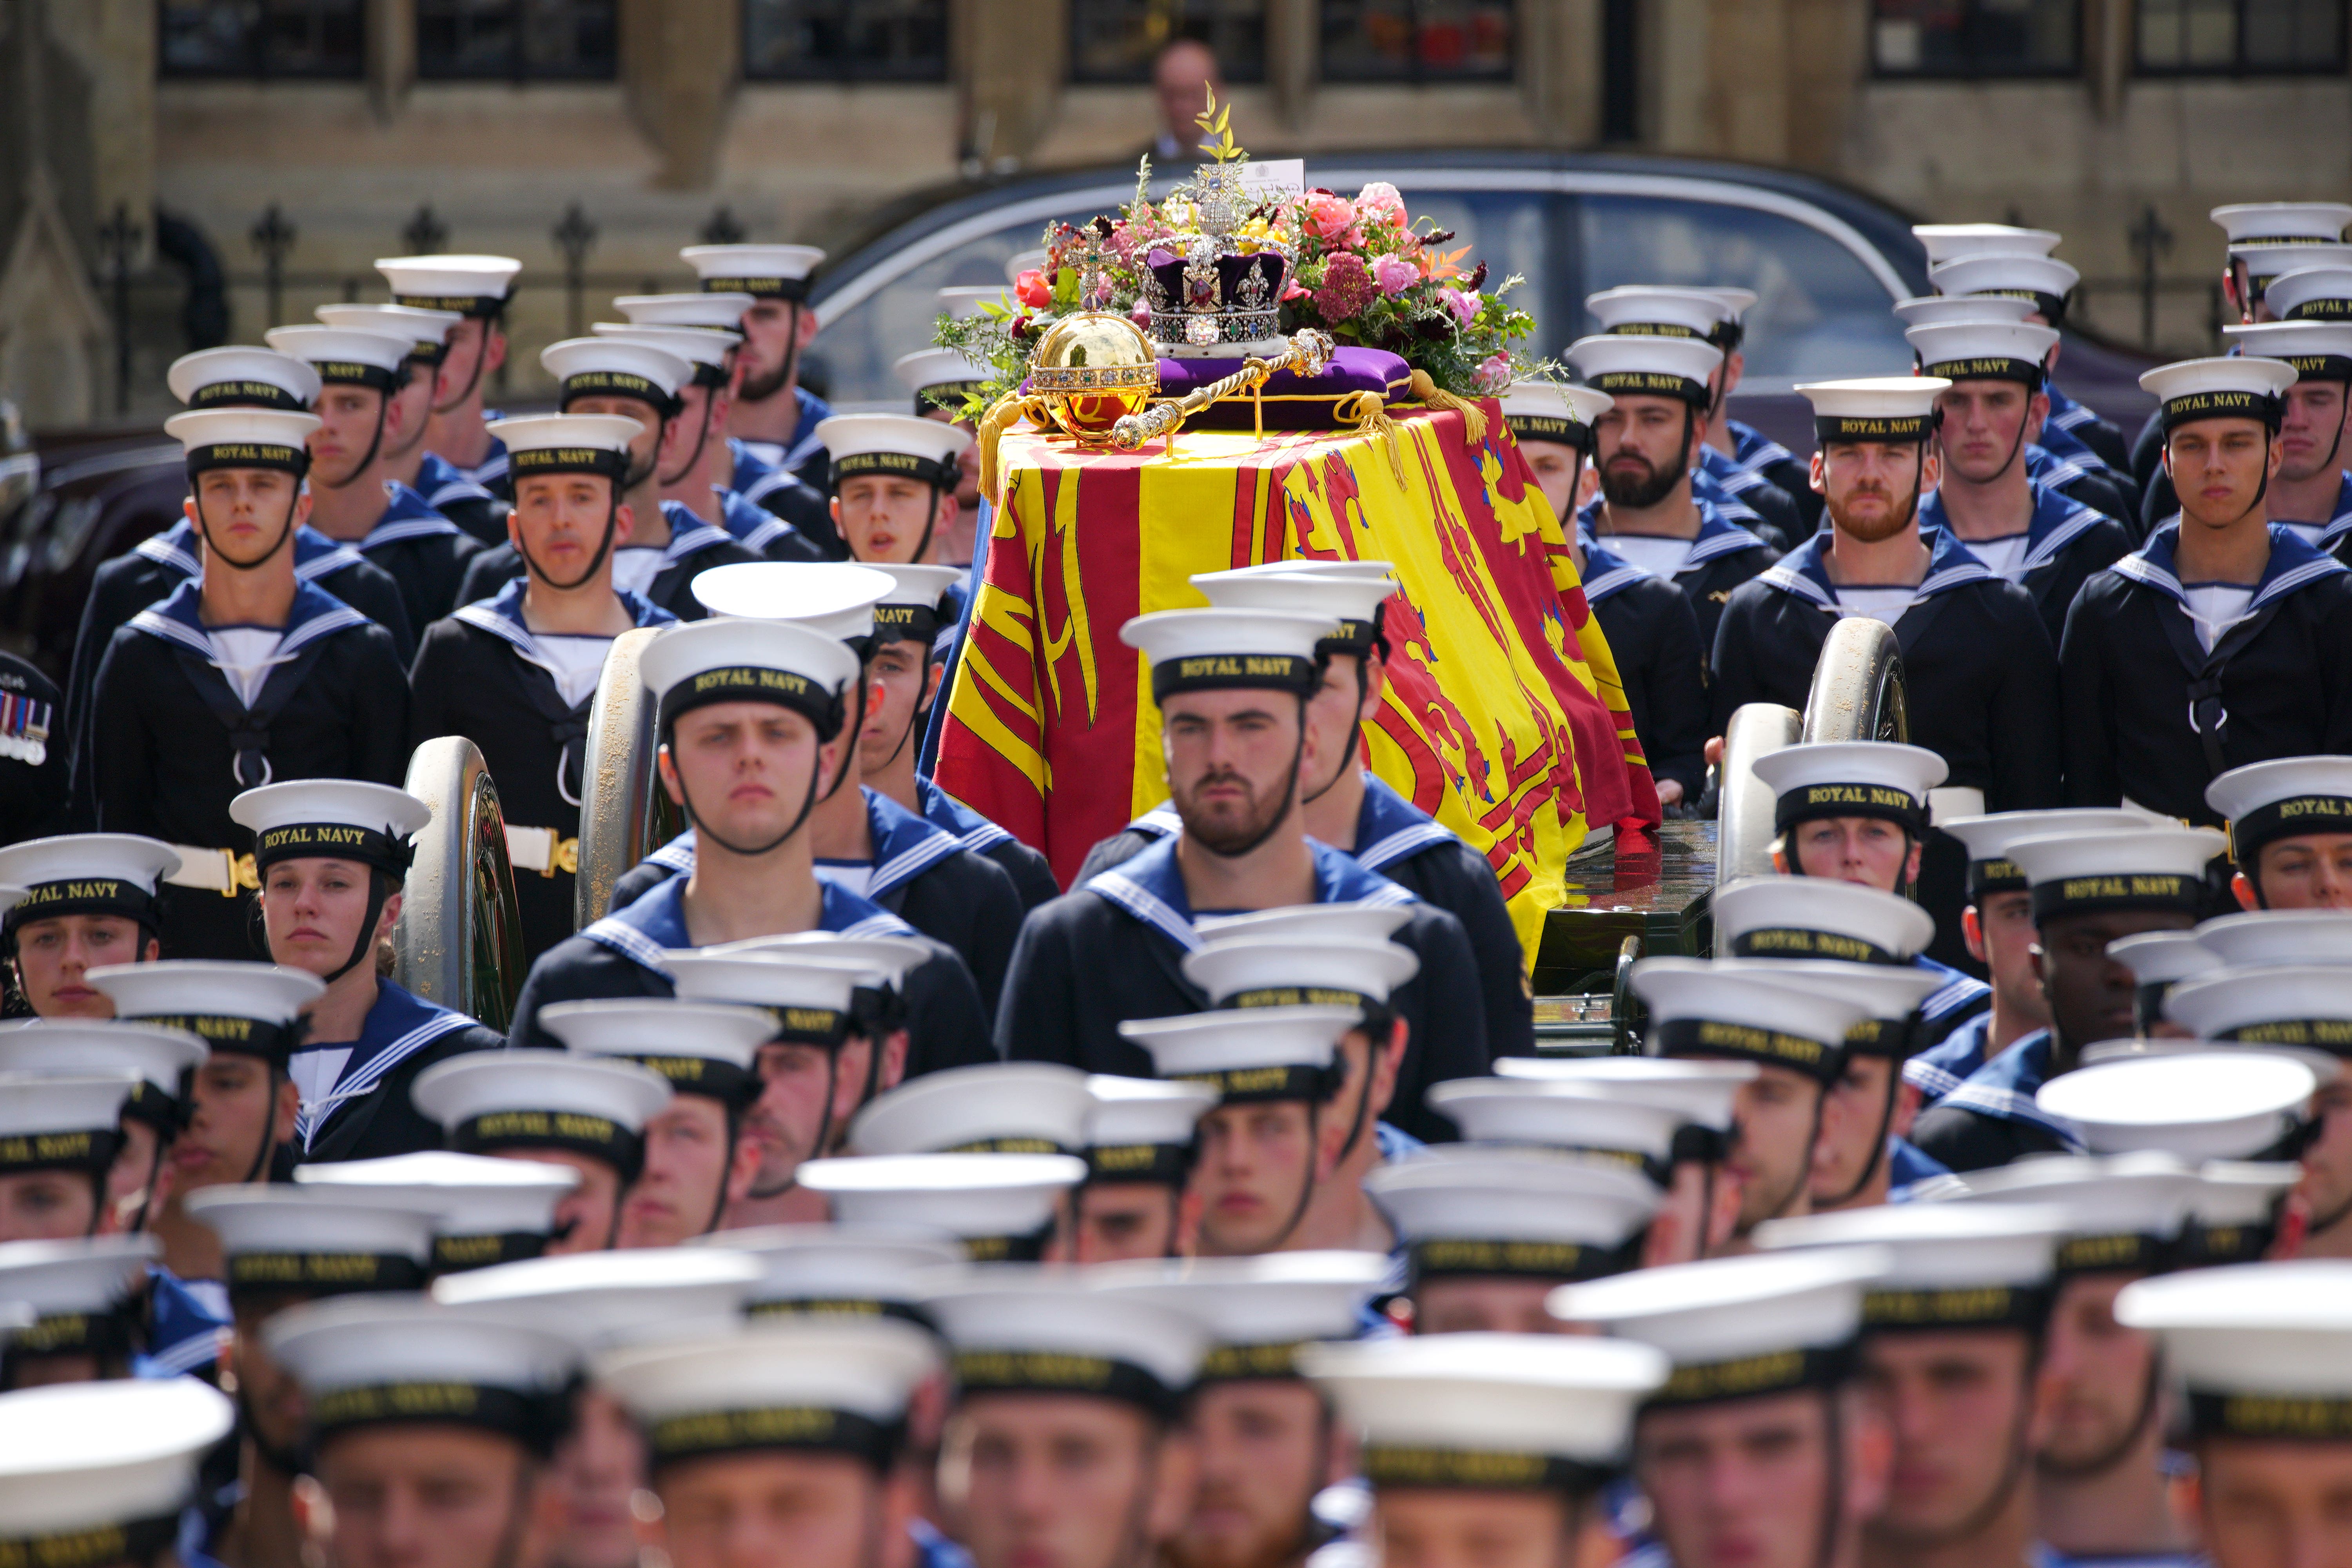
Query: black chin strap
{"x":1289,"y":797}
{"x":1306,"y":1177}
{"x":268,"y":1130}
{"x":379,"y":890}
{"x":595,"y":562}
{"x":2152,"y":1388}
{"x":701,"y":442}
{"x":212,"y":551}
{"x":375,"y":444}
{"x":1833,"y":1478}
{"x":1355,"y":731}
{"x":482,"y":358}
{"x":851,"y":731}
{"x":702,"y":828}
{"x":922,"y":710}
{"x":1878,"y":1143}
{"x":824,"y":1128}
{"x":286,"y":1461}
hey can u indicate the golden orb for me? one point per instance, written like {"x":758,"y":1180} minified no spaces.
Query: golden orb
{"x":1093,"y":369}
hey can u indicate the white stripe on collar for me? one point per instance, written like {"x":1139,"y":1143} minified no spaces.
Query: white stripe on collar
{"x":407,"y":527}
{"x":882,"y":922}
{"x":913,"y":861}
{"x":2078,"y":522}
{"x":156,"y":547}
{"x":310,"y":1118}
{"x":1930,"y":1079}
{"x":1405,"y":842}
{"x":693,"y":541}
{"x":458,"y":488}
{"x":1960,"y":989}
{"x":770,"y":482}
{"x":1789,"y":580}
{"x":1146,"y":906}
{"x":1730,"y":541}
{"x":630,"y":944}
{"x":1611,"y":581}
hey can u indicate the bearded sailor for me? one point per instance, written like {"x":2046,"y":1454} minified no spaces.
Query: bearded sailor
{"x":477,"y":287}
{"x":774,"y":414}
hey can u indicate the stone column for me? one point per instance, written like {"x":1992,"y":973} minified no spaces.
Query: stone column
{"x":1011,"y":57}
{"x":679,"y":63}
{"x":1559,"y":69}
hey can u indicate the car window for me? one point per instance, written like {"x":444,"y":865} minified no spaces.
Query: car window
{"x":1818,"y":312}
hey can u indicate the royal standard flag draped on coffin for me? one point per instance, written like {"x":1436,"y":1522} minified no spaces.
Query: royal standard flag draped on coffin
{"x":1504,"y":717}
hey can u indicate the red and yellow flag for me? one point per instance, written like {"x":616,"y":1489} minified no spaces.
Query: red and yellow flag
{"x":1504,"y":717}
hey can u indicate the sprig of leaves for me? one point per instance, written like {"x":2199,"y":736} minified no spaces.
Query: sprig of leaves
{"x":1216,"y":130}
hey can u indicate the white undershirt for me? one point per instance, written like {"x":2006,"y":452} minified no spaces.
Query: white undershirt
{"x":1875,"y":604}
{"x":635,"y":566}
{"x":316,"y":1072}
{"x":2003,"y":557}
{"x":854,"y":874}
{"x":576,"y":662}
{"x":1660,"y":556}
{"x":246,"y":656}
{"x":2214,"y":608}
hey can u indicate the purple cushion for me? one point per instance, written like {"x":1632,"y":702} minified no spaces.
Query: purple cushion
{"x":1291,"y":402}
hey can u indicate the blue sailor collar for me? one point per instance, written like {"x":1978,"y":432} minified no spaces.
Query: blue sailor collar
{"x":441,"y":482}
{"x":1726,"y":473}
{"x":756,"y":478}
{"x":178,"y":618}
{"x":501,"y":615}
{"x":2045,"y":467}
{"x":2292,"y":565}
{"x":493,"y":467}
{"x":2003,"y":1089}
{"x":1753,"y":451}
{"x":2057,"y":522}
{"x":749,"y":523}
{"x":1717,"y":534}
{"x":1803,"y":572}
{"x":406,"y":515}
{"x":974,"y":831}
{"x":1957,"y":990}
{"x":1149,"y":888}
{"x":905,"y":845}
{"x":400,"y":1025}
{"x":189,"y":1325}
{"x":814,"y":412}
{"x":688,"y":534}
{"x":2325,"y":534}
{"x":1948,"y":1064}
{"x":1389,"y":829}
{"x":1606,"y":573}
{"x":315,"y":554}
{"x":655,"y":923}
{"x":1907,"y":1165}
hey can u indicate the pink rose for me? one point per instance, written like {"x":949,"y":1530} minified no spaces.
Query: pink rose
{"x":1381,"y":203}
{"x":1394,"y":274}
{"x":1141,"y":314}
{"x":1033,"y":291}
{"x":1329,"y":216}
{"x":1494,"y":375}
{"x":1463,"y":306}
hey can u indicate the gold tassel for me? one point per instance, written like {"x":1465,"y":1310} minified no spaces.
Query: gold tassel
{"x":1430,"y":394}
{"x":1001,"y":415}
{"x":1367,"y":412}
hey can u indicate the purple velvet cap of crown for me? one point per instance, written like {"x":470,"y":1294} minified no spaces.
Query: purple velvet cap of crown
{"x":1291,"y":402}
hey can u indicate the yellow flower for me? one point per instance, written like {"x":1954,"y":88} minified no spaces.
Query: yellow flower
{"x":1254,"y":234}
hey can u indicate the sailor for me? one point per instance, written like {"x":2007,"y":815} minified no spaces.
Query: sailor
{"x":1763,"y":1448}
{"x":944,"y":382}
{"x":1742,"y":492}
{"x":2290,"y":824}
{"x":58,"y":1138}
{"x":2032,"y":273}
{"x":367,"y":410}
{"x":73,"y":1309}
{"x":998,"y":1208}
{"x":1232,"y":687}
{"x":2022,"y":529}
{"x":332,"y":856}
{"x":1651,"y":628}
{"x":485,"y":1212}
{"x":895,"y":480}
{"x":1330,"y":957}
{"x":1979,"y":668}
{"x":2311,"y":493}
{"x":1794,"y":1032}
{"x":1142,"y":1138}
{"x":1648,"y":444}
{"x":477,"y":287}
{"x":2100,"y":1487}
{"x":2269,"y":1406}
{"x":989,"y":1108}
{"x":516,"y":673}
{"x":159,"y":1062}
{"x":866,"y":1271}
{"x":285,"y":1246}
{"x":586,"y":1114}
{"x":1963,"y":1301}
{"x":775,"y":416}
{"x":783,"y":1439}
{"x":1046,"y":1367}
{"x":469,"y":505}
{"x":658,"y":547}
{"x":2211,"y":646}
{"x":242,"y":1099}
{"x":417,"y":1410}
{"x":1750,"y":451}
{"x":696,"y":1159}
{"x":89,"y":899}
{"x":1998,"y":925}
{"x":99,"y":1473}
{"x":2317,"y":292}
{"x":1491,"y":1448}
{"x":150,"y":569}
{"x":1264,"y":1440}
{"x":36,"y":779}
{"x":1489,"y":1233}
{"x":237,"y":679}
{"x":2087,"y":890}
{"x":1863,"y":1151}
{"x":862,"y":838}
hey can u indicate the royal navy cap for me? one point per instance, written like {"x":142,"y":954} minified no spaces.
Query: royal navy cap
{"x":347,"y":356}
{"x":1983,"y":351}
{"x":2143,"y":868}
{"x":279,"y":1236}
{"x":1553,"y":411}
{"x":234,"y":437}
{"x":2043,"y":279}
{"x":2304,"y":1005}
{"x":942,"y":378}
{"x":470,"y":285}
{"x":2233,"y":387}
{"x":80,"y":1292}
{"x":968,"y":302}
{"x":916,"y":608}
{"x":1658,"y":310}
{"x":879,"y":962}
{"x":2263,"y":262}
{"x":99,"y":1472}
{"x":1850,"y":778}
{"x":250,"y":1009}
{"x":2234,"y":1217}
{"x":762,"y":271}
{"x":718,"y":311}
{"x":370,"y":1361}
{"x":999,"y":1207}
{"x":1950,"y":241}
{"x":729,"y":659}
{"x":1702,"y":1093}
{"x":1250,"y":1053}
{"x":2125,"y":1212}
{"x":495,"y":1101}
{"x":1622,"y":365}
{"x":1482,"y":1410}
{"x":1036,"y":1330}
{"x":1142,"y":1129}
{"x":1470,"y":1210}
{"x":2283,"y":798}
{"x":1950,"y":1265}
{"x":2280,"y":936}
{"x":484,"y":1210}
{"x":1225,"y":649}
{"x":2226,"y":1103}
{"x":707,"y":351}
{"x":893,"y":445}
{"x":336,"y":819}
{"x":1889,"y":994}
{"x":2163,"y":958}
{"x":821,"y":1386}
{"x":1259,"y":1311}
{"x":158,"y":1058}
{"x":1897,"y":409}
{"x":2263,"y":1348}
{"x":1559,"y":1115}
{"x":2319,"y":350}
{"x":831,"y":598}
{"x":992,"y":1108}
{"x":600,"y":1300}
{"x":51,"y":1122}
{"x":861,"y":1270}
{"x":1936,"y":309}
{"x":807,"y":1000}
{"x":1737,"y":1328}
{"x":2311,"y":294}
{"x":1697,"y":1009}
{"x":245,"y":377}
{"x":1351,"y":601}
{"x":2282,"y":223}
{"x":616,"y":368}
{"x":1356,"y":920}
{"x":1812,"y":916}
{"x":427,"y":331}
{"x":1988,"y":838}
{"x":86,"y":874}
{"x":568,"y":444}
{"x":1271,"y":972}
{"x":701,"y":1048}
